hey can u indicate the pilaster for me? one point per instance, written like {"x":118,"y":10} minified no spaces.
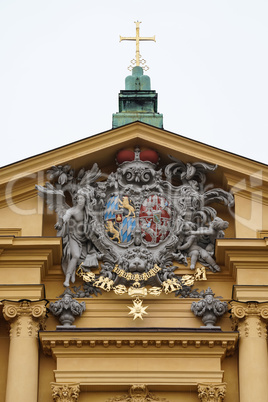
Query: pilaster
{"x":211,"y":392}
{"x":25,"y":318}
{"x":251,"y":320}
{"x":65,"y":392}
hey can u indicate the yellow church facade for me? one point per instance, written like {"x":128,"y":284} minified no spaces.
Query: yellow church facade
{"x":166,"y":353}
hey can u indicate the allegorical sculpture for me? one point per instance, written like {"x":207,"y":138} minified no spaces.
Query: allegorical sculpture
{"x":209,"y":308}
{"x":136,"y":223}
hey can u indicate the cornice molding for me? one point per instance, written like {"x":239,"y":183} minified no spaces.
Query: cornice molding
{"x":43,"y":253}
{"x":253,"y":187}
{"x":18,"y":194}
{"x":83,"y":342}
{"x":108,"y":359}
{"x":103,"y":147}
{"x":245,"y":293}
{"x":10,"y":231}
{"x":125,"y":135}
{"x":233,"y":254}
{"x":19,"y":292}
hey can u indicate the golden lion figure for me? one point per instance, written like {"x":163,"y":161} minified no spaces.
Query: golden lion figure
{"x":110,"y":228}
{"x":125,"y":204}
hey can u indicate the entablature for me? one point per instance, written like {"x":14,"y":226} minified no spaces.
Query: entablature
{"x":171,"y":359}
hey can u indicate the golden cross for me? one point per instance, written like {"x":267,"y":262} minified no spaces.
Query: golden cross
{"x":138,"y":38}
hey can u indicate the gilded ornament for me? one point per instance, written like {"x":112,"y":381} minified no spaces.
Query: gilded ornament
{"x":155,"y":291}
{"x":120,"y":289}
{"x":104,"y":283}
{"x":138,"y":311}
{"x":188,"y":280}
{"x":200,"y":274}
{"x":138,"y":60}
{"x":87,"y":276}
{"x":170,"y":285}
{"x":137,"y":292}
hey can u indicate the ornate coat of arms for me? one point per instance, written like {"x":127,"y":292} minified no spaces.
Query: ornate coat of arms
{"x":130,"y":231}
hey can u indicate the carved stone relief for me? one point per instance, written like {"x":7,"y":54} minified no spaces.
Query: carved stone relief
{"x":67,"y":308}
{"x":137,"y":393}
{"x":65,"y":392}
{"x":140,"y":223}
{"x":25,"y":317}
{"x":211,"y":392}
{"x":250,"y":318}
{"x":209,"y":308}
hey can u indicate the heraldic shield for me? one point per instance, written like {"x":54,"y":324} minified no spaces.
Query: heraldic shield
{"x":120,"y":218}
{"x":155,"y":218}
{"x":137,"y":226}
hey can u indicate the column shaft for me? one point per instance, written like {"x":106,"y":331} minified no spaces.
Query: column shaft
{"x":22,"y":377}
{"x":253,"y":366}
{"x":250,"y":318}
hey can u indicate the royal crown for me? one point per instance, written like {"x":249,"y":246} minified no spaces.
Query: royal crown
{"x":127,"y":155}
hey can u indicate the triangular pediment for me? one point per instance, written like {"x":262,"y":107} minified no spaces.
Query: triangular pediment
{"x":102,"y":148}
{"x":234,"y":173}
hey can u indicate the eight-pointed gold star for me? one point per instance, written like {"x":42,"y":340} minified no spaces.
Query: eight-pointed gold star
{"x":137,"y":310}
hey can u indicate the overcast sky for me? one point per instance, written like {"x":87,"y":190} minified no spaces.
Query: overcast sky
{"x":62,"y":66}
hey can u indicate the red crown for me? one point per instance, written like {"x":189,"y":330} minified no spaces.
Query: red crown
{"x":126,"y":155}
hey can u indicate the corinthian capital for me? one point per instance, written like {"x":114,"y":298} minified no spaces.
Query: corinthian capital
{"x":65,"y":392}
{"x":211,"y":392}
{"x":25,"y":317}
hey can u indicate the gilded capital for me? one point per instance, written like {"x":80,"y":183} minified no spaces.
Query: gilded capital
{"x":65,"y":392}
{"x":211,"y":392}
{"x":250,"y":318}
{"x":25,"y":317}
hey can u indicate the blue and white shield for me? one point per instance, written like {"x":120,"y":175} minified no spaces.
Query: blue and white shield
{"x":119,"y":218}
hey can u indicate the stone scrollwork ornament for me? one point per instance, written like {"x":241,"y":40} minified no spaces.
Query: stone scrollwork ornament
{"x":26,"y":317}
{"x":209,"y":308}
{"x":66,"y":309}
{"x":136,"y":226}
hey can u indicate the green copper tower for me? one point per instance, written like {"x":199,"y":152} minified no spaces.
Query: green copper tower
{"x":137,"y":102}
